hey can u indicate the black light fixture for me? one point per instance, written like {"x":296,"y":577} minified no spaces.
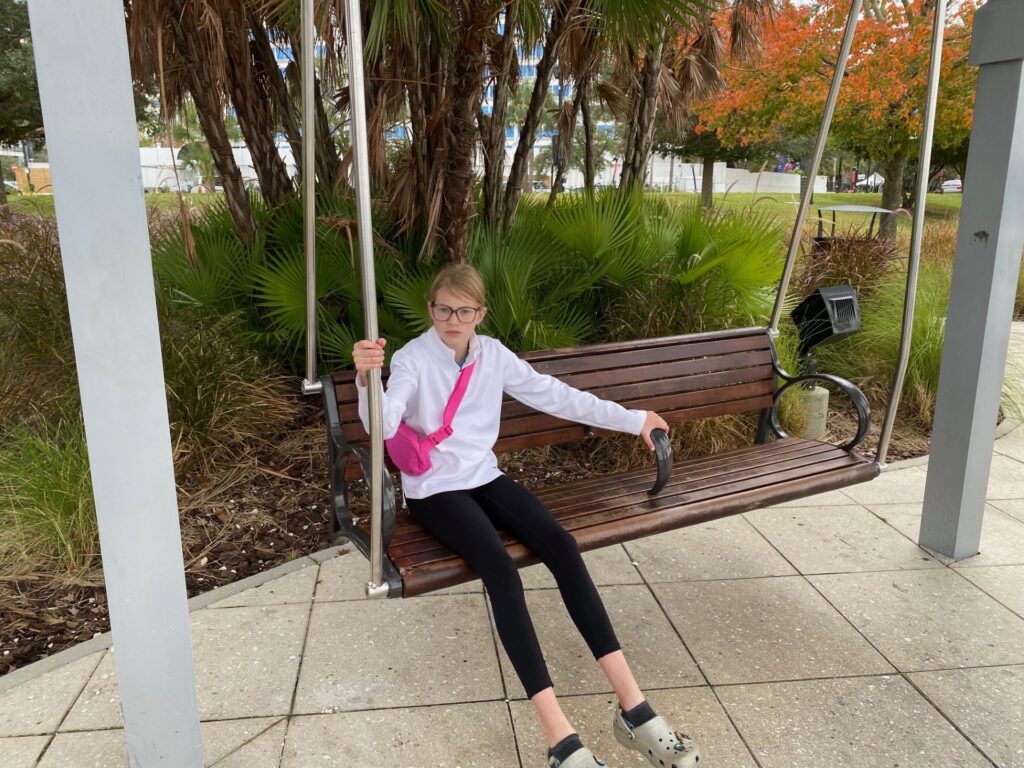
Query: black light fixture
{"x":828,"y":314}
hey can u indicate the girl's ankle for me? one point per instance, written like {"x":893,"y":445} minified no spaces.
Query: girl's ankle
{"x":560,"y":735}
{"x":565,"y":747}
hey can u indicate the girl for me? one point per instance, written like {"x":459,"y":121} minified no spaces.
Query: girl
{"x":464,"y":499}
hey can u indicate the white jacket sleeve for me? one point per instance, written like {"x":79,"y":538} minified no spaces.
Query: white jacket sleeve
{"x":401,"y":385}
{"x":548,"y":394}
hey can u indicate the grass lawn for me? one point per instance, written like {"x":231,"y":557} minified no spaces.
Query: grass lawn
{"x":783,"y":207}
{"x":168,"y":201}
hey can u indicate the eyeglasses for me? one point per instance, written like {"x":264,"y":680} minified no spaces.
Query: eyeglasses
{"x":442,"y":313}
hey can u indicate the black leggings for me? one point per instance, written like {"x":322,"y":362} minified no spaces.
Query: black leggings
{"x":467,"y":521}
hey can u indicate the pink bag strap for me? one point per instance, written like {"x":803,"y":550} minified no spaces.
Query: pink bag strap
{"x":453,"y":405}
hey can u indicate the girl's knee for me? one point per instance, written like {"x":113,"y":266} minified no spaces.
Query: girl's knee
{"x":497,"y":570}
{"x":560,"y":549}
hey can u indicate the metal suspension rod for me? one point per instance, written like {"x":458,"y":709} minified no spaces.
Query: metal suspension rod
{"x":310,"y":384}
{"x":812,"y":172}
{"x":376,"y":587}
{"x":914,"y":260}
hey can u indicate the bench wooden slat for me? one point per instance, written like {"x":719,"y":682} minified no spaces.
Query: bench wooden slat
{"x":355,"y":434}
{"x":561,"y":366}
{"x":661,"y":341}
{"x":537,"y":422}
{"x":607,"y":486}
{"x":622,"y":511}
{"x":580,"y":511}
{"x":620,"y":392}
{"x":757,"y":354}
{"x":631,"y":392}
{"x":447,"y":572}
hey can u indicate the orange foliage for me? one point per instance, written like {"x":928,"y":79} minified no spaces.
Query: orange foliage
{"x":879,"y":109}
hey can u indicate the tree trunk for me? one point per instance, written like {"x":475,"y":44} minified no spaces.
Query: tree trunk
{"x":254,"y":118}
{"x":206,"y":96}
{"x":892,"y":194}
{"x":325,"y":157}
{"x":328,"y":164}
{"x":492,"y":129}
{"x":563,"y":157}
{"x":468,"y":71}
{"x":552,"y":44}
{"x":284,"y":107}
{"x":419,"y":146}
{"x":707,"y":184}
{"x":556,"y":183}
{"x":588,"y":139}
{"x":671,"y":171}
{"x":642,"y":131}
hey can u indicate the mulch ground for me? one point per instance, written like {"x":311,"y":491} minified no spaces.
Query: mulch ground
{"x":260,"y":514}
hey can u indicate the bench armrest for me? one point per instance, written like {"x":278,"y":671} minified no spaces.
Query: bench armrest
{"x":663,"y":455}
{"x":338,"y":447}
{"x":339,"y":488}
{"x":857,"y":397}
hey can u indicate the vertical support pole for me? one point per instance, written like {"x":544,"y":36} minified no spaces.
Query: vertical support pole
{"x":984,"y":283}
{"x":924,"y":165}
{"x":376,"y":586}
{"x":85,"y":87}
{"x":311,"y":383}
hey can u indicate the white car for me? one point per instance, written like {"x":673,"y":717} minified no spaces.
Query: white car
{"x":953,"y":185}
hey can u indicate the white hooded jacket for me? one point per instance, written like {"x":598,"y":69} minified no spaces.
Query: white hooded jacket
{"x":423,"y":375}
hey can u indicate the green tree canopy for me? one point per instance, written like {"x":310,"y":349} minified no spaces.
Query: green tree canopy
{"x":20,"y":115}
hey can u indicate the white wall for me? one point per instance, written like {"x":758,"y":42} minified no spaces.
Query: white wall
{"x":688,"y":177}
{"x":158,"y":170}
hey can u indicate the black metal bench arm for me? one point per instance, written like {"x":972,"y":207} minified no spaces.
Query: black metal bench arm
{"x":338,"y":447}
{"x":389,"y":510}
{"x":663,"y":455}
{"x":858,"y":398}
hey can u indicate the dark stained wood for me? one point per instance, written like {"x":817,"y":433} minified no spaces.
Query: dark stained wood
{"x":580,"y":514}
{"x":634,"y":485}
{"x":438,"y":567}
{"x":698,"y":346}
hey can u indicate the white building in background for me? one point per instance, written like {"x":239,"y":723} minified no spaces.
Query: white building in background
{"x":158,"y":171}
{"x":666,"y":174}
{"x":663,"y":173}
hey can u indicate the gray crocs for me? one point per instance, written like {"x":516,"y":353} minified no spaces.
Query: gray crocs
{"x":658,"y":742}
{"x":581,"y":758}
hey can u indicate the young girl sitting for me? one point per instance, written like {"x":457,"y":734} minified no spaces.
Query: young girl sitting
{"x":464,"y":500}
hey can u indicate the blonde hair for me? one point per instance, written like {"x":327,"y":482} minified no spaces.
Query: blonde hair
{"x":460,"y":278}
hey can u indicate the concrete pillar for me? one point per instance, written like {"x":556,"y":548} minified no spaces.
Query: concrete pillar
{"x":85,"y":87}
{"x":984,"y":285}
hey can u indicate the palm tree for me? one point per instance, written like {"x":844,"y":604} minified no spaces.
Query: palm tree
{"x":427,"y":63}
{"x":679,"y":69}
{"x":184,"y":41}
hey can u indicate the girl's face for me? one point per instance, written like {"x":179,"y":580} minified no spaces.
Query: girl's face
{"x":455,"y":317}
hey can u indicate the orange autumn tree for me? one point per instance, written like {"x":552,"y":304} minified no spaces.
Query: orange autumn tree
{"x":879,"y":111}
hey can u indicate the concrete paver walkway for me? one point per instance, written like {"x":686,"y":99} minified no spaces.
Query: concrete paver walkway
{"x":813,"y":634}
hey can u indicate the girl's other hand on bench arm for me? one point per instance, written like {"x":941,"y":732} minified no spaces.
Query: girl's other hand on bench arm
{"x":654,"y":421}
{"x":367,"y":354}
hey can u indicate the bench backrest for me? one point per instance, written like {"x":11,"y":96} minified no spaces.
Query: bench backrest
{"x":683,"y":378}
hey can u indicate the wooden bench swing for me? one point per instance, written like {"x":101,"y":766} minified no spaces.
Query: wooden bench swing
{"x":683,"y":378}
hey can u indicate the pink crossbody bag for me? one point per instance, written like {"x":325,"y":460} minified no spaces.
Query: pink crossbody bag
{"x":409,"y":451}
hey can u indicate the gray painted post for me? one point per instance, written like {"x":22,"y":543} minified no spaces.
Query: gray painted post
{"x":984,"y":284}
{"x":81,"y":54}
